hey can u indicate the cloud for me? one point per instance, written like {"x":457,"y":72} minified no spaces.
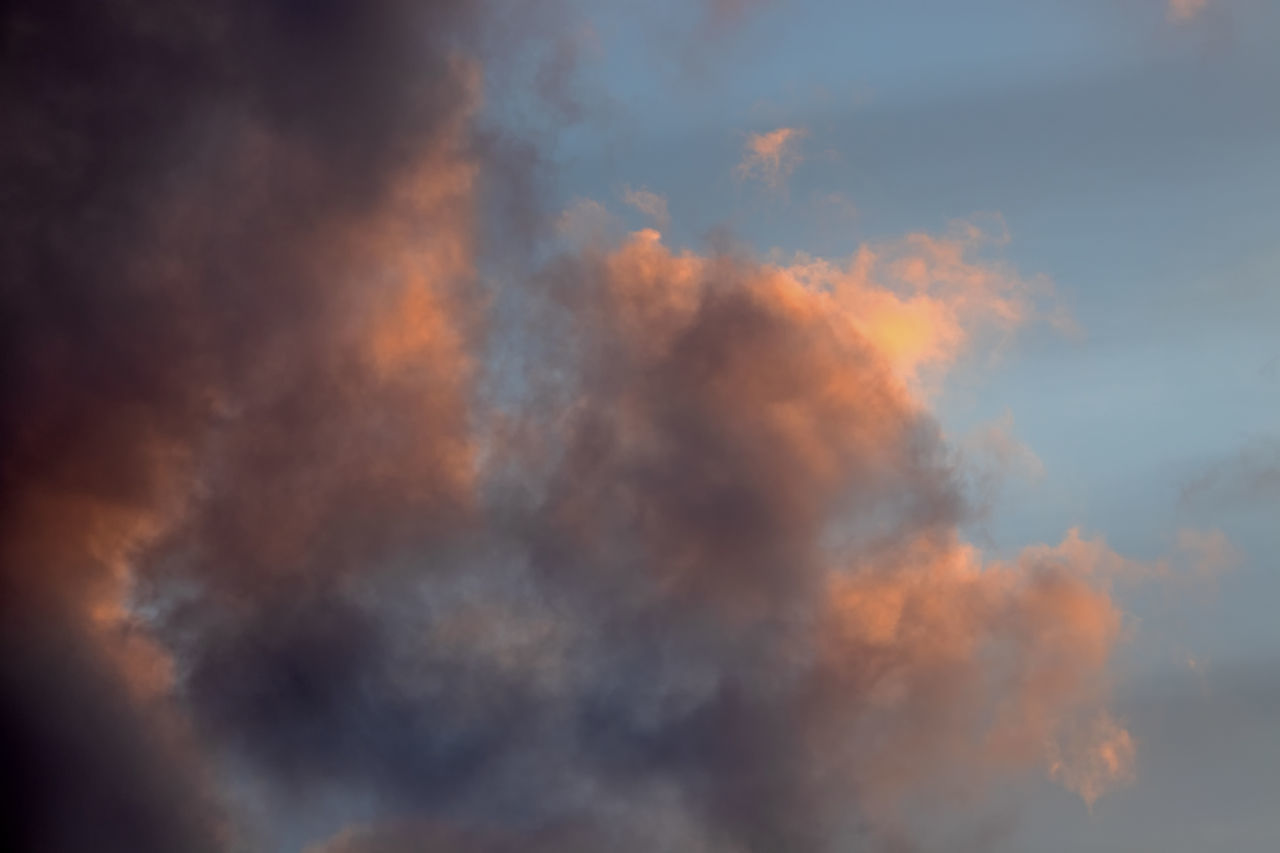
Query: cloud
{"x":1208,"y":552}
{"x":723,"y":18}
{"x":746,"y":452}
{"x":1186,"y":10}
{"x":586,"y":222}
{"x":731,"y":11}
{"x":997,"y":441}
{"x":1104,"y":761}
{"x":269,"y":526}
{"x":922,"y":300}
{"x":650,"y":204}
{"x":412,"y":836}
{"x":771,"y":157}
{"x":235,"y":242}
{"x":1250,"y":477}
{"x":835,"y":206}
{"x":993,"y":454}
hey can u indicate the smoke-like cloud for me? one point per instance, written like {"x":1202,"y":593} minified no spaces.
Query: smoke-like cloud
{"x":1249,"y":477}
{"x":269,"y":524}
{"x":234,"y":245}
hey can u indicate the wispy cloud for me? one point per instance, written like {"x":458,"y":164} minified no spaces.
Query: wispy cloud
{"x":771,"y":157}
{"x":1249,"y":477}
{"x":1185,"y":10}
{"x":1207,"y":553}
{"x":650,"y":204}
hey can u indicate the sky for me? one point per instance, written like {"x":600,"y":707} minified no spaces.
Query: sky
{"x":718,"y":426}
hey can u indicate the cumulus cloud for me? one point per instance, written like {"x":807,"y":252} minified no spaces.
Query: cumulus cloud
{"x":771,"y":157}
{"x":268,"y":523}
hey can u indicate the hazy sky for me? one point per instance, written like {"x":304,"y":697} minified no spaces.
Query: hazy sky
{"x":703,"y":427}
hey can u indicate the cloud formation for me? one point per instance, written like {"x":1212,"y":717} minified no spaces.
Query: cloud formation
{"x":231,"y":243}
{"x":269,"y":526}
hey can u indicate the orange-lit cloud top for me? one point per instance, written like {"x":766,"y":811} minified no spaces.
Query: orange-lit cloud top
{"x":919,"y":301}
{"x":771,"y":157}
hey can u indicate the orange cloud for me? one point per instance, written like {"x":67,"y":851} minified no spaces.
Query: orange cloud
{"x":980,"y":668}
{"x":918,"y":301}
{"x":771,"y":157}
{"x":759,"y":432}
{"x":921,"y":300}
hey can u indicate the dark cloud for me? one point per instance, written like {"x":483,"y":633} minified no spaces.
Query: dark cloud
{"x":85,"y":767}
{"x":190,"y":205}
